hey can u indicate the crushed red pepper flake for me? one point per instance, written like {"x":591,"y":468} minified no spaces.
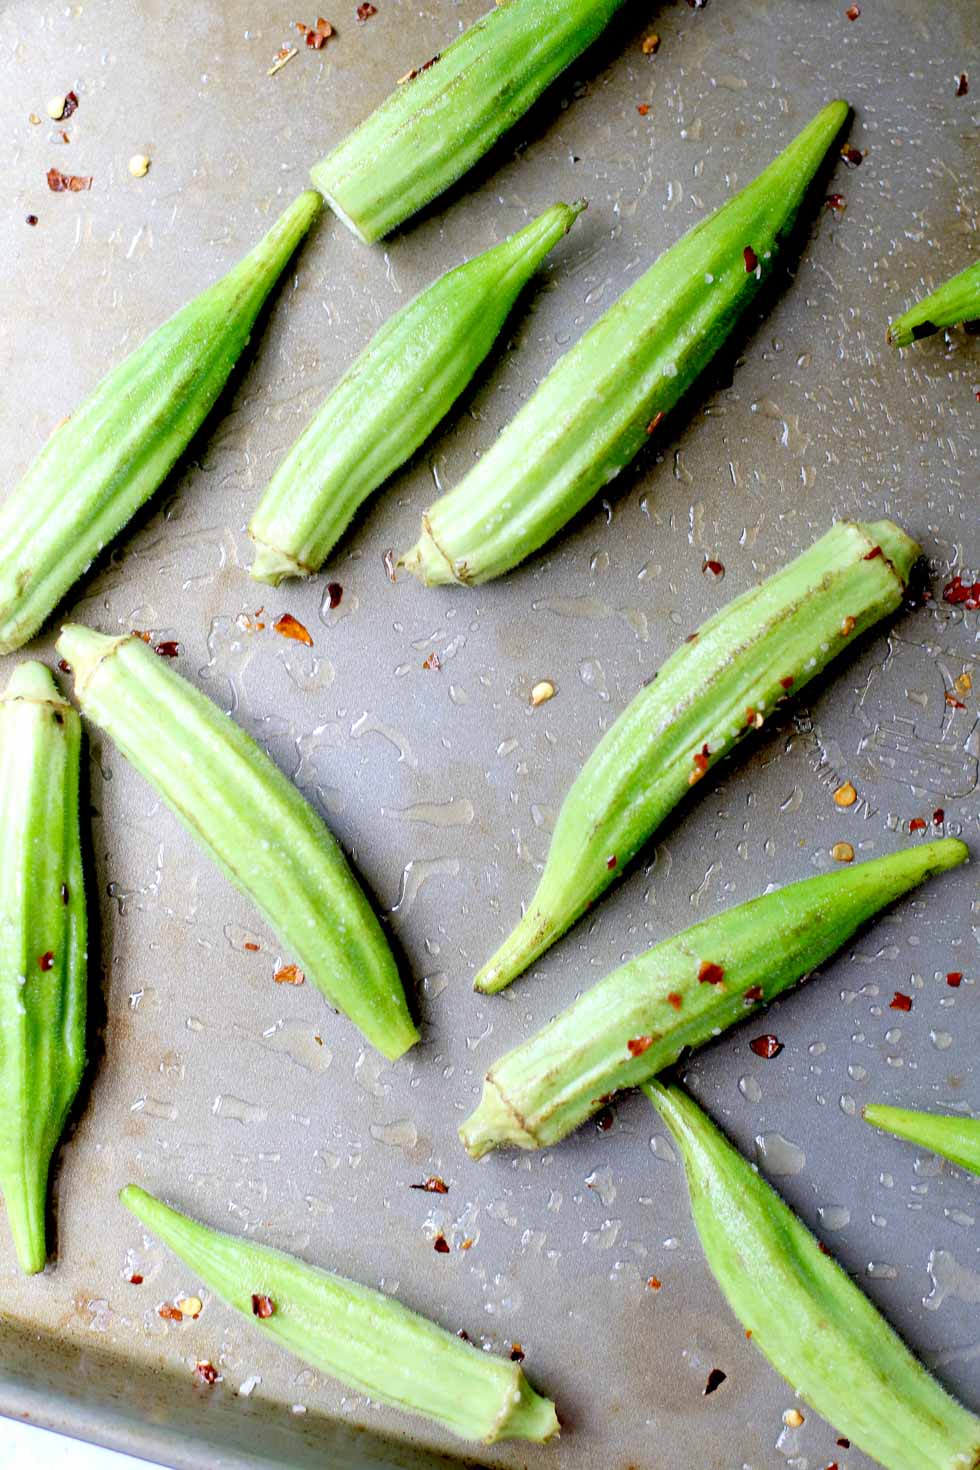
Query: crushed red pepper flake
{"x":853,"y":157}
{"x":462,"y":1333}
{"x":853,"y":12}
{"x":207,"y":1373}
{"x":710,"y":973}
{"x":836,"y":202}
{"x":638,"y":1045}
{"x":754,"y":994}
{"x":713,"y":568}
{"x":46,"y":961}
{"x":844,"y":1443}
{"x":960,"y":593}
{"x":954,"y":978}
{"x":71,"y":104}
{"x":31,"y":219}
{"x":466,"y":1244}
{"x":433,"y":662}
{"x":335,"y":595}
{"x":64,"y":666}
{"x":675,"y":1000}
{"x":823,"y":1249}
{"x":432,"y":1185}
{"x":715,"y":1379}
{"x":654,"y":1283}
{"x":170,"y":1313}
{"x":748,"y":1334}
{"x":315,"y":36}
{"x":917,"y":825}
{"x":939,"y":816}
{"x":952,"y":701}
{"x":417,"y":70}
{"x":365,"y":11}
{"x":251,"y":946}
{"x":655,"y":423}
{"x":900,"y":1002}
{"x":60,"y":183}
{"x":643,"y":108}
{"x":962,"y":84}
{"x":262,"y":1306}
{"x":141,"y":634}
{"x":289,"y":975}
{"x":787,"y":681}
{"x":751,"y":259}
{"x":651,"y":45}
{"x":611,"y":862}
{"x":135,"y":1279}
{"x":169,"y":648}
{"x":441,"y":1245}
{"x":516,"y":1353}
{"x":289,"y":627}
{"x":767,"y":1046}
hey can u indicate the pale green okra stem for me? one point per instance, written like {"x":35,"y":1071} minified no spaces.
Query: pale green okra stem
{"x":451,"y":108}
{"x":752,"y":655}
{"x":250,"y":820}
{"x":806,"y":1315}
{"x":956,"y":1138}
{"x":368,"y":1340}
{"x":956,"y":300}
{"x":681,"y":994}
{"x":43,"y":955}
{"x":390,"y":400}
{"x":106,"y":460}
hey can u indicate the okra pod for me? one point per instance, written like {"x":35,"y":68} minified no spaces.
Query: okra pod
{"x":250,"y":820}
{"x":605,"y":398}
{"x":813,"y":1324}
{"x":391,"y":399}
{"x":721,"y":685}
{"x":447,"y":112}
{"x":957,"y":300}
{"x":957,"y":1139}
{"x":680,"y":994}
{"x":367,"y":1340}
{"x":101,"y":464}
{"x":42,"y":945}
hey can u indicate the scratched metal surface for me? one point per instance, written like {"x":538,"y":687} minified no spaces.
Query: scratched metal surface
{"x":209,"y":1083}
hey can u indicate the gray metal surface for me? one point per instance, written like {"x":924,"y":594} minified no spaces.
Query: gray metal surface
{"x":212,"y":1086}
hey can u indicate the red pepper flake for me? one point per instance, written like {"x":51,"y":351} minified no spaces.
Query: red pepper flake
{"x":701,"y":759}
{"x":169,"y":648}
{"x":432,"y":1185}
{"x":748,"y":1334}
{"x":441,"y":1244}
{"x":65,"y":894}
{"x":917,"y":825}
{"x":417,"y":70}
{"x":833,"y":1466}
{"x":516,"y":1353}
{"x":207,"y":1373}
{"x":316,"y":36}
{"x":823,"y":1249}
{"x":654,"y":1283}
{"x":60,"y":183}
{"x":853,"y":12}
{"x":697,"y":4}
{"x":954,"y":978}
{"x":71,"y":104}
{"x":433,"y":662}
{"x":715,"y":1379}
{"x":753,"y":995}
{"x":605,"y":1120}
{"x":335,"y":595}
{"x":767,"y":1046}
{"x":64,"y":666}
{"x":836,"y":202}
{"x":962,"y":85}
{"x":675,"y":1000}
{"x":639,"y":1045}
{"x":170,"y":1313}
{"x":845,"y":1444}
{"x":466,"y":1244}
{"x":853,"y":157}
{"x":643,"y":108}
{"x":710,"y":973}
{"x":959,"y":592}
{"x":136,"y":1279}
{"x":787,"y":681}
{"x":939,"y":816}
{"x":365,"y":12}
{"x":251,"y":946}
{"x":141,"y":634}
{"x":691,"y":638}
{"x":262,"y":1306}
{"x":952,"y":701}
{"x":32,"y":219}
{"x":751,"y":259}
{"x":655,"y":423}
{"x":462,"y":1333}
{"x":389,"y":563}
{"x":900,"y":1002}
{"x":289,"y":627}
{"x":289,"y":975}
{"x":46,"y":962}
{"x":611,"y":862}
{"x":713,"y":568}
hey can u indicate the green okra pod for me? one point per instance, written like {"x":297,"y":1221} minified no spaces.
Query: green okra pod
{"x":814,"y":1325}
{"x":250,"y":820}
{"x":108,"y":458}
{"x":957,"y":1139}
{"x":718,"y":687}
{"x":605,"y":398}
{"x":447,"y":113}
{"x":682,"y":993}
{"x":368,"y":1340}
{"x":956,"y":300}
{"x":390,"y":400}
{"x":43,"y":954}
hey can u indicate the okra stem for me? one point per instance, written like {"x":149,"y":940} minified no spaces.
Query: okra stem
{"x":447,"y":112}
{"x":682,"y":993}
{"x":108,"y":458}
{"x":390,"y":400}
{"x":957,"y":1139}
{"x":368,"y":1340}
{"x":806,"y":1315}
{"x":605,"y":398}
{"x":725,"y":683}
{"x":250,"y":820}
{"x":43,"y":955}
{"x":956,"y":300}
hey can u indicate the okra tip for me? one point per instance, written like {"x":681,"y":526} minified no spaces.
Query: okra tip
{"x":272,"y":565}
{"x":530,"y":1416}
{"x":493,"y":1124}
{"x":33,"y":681}
{"x":84,"y":649}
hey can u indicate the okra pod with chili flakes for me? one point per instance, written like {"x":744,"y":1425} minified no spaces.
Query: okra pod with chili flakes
{"x":448,"y":111}
{"x":806,"y":1315}
{"x":957,"y":300}
{"x":43,"y":957}
{"x":719,"y":686}
{"x":390,"y":400}
{"x":368,"y":1340}
{"x":957,"y":1139}
{"x":605,"y":398}
{"x":250,"y":820}
{"x":104,"y":461}
{"x":682,"y":993}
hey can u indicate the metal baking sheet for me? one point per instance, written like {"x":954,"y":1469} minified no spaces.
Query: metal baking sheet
{"x":249,"y":1103}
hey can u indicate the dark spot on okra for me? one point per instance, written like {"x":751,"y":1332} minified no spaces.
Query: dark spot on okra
{"x":59,"y":718}
{"x":787,"y":681}
{"x":875,"y":551}
{"x":715,"y":1379}
{"x":675,"y":1000}
{"x":767,"y":1046}
{"x":262,"y":1306}
{"x":65,"y":894}
{"x":611,"y":862}
{"x":753,"y":995}
{"x":923,"y":329}
{"x":46,"y":961}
